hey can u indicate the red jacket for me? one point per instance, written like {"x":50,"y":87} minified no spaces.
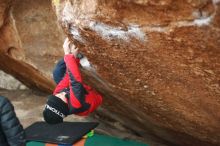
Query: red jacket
{"x":82,"y":99}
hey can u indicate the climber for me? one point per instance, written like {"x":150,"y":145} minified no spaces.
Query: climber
{"x":11,"y":131}
{"x":71,"y":95}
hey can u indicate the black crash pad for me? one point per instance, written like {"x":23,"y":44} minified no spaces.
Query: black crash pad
{"x":62,"y":133}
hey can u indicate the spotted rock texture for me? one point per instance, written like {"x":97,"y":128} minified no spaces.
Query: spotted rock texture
{"x":157,"y":63}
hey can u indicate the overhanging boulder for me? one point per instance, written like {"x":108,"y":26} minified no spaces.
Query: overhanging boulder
{"x":160,"y":59}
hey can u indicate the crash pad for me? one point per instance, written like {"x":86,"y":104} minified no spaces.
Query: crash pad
{"x":62,"y":133}
{"x":95,"y":140}
{"x":104,"y":140}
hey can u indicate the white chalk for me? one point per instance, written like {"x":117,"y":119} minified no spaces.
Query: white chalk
{"x":85,"y":63}
{"x":76,"y":35}
{"x":215,"y":1}
{"x":109,"y":32}
{"x":67,"y":14}
{"x":203,"y":21}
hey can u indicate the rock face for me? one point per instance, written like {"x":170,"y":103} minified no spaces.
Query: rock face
{"x":25,"y":41}
{"x":156,"y":62}
{"x":159,"y":61}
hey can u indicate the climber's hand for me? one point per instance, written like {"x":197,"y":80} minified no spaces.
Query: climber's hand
{"x":66,"y":47}
{"x":73,"y":49}
{"x":69,"y":48}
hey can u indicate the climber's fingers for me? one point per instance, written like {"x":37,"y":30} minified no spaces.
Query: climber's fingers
{"x":73,"y":49}
{"x":69,"y":48}
{"x":66,"y":46}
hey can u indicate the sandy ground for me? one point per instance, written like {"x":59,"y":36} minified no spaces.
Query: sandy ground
{"x":29,"y":105}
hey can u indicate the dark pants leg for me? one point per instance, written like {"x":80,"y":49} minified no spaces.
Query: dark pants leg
{"x":59,"y":71}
